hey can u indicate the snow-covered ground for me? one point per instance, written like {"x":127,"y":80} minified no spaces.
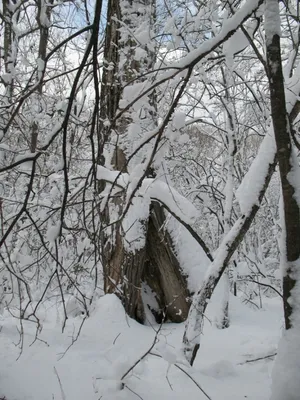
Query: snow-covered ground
{"x":110,"y":344}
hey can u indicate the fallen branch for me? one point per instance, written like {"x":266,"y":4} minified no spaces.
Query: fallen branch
{"x":258,"y":359}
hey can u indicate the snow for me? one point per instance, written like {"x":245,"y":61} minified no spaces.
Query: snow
{"x":179,"y":119}
{"x":53,"y":232}
{"x":252,"y":183}
{"x":40,"y":65}
{"x":154,"y":189}
{"x":238,"y":41}
{"x":272,"y":20}
{"x":285,"y":375}
{"x":110,"y":344}
{"x":193,"y":262}
{"x":286,"y":383}
{"x":228,"y":28}
{"x":112,"y":176}
{"x":294,"y":176}
{"x":134,"y":222}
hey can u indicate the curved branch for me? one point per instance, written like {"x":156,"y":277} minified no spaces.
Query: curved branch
{"x":189,"y":229}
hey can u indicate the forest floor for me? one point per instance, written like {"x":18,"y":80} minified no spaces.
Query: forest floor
{"x":109,"y":344}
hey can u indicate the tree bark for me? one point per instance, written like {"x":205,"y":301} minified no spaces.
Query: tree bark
{"x":281,"y":125}
{"x":155,"y":261}
{"x":163,"y":273}
{"x":43,"y":17}
{"x":285,"y":382}
{"x":8,"y":50}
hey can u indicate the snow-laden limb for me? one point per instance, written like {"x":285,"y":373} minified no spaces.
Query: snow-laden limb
{"x":252,"y":182}
{"x":238,"y":41}
{"x":248,"y":191}
{"x":259,"y":174}
{"x":113,"y":177}
{"x":194,"y":324}
{"x":272,"y":20}
{"x":157,"y":190}
{"x":229,"y":28}
{"x":173,"y":200}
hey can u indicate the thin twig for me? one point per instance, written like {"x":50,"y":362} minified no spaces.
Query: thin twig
{"x":187,"y":374}
{"x":258,"y":359}
{"x":144,"y":355}
{"x":63,"y":396}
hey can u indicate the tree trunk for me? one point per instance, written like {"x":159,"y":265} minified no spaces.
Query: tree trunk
{"x":285,"y":373}
{"x":223,"y":320}
{"x":8,"y":48}
{"x":43,"y":18}
{"x":154,"y":260}
{"x":281,"y":125}
{"x":163,"y":273}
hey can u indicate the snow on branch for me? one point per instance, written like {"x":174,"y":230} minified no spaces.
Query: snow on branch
{"x":194,"y":325}
{"x":250,"y":195}
{"x":180,"y":207}
{"x":250,"y":187}
{"x":247,"y":193}
{"x":272,"y":20}
{"x":158,"y":191}
{"x":229,"y":28}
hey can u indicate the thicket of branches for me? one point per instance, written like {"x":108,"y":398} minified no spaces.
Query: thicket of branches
{"x":130,"y":131}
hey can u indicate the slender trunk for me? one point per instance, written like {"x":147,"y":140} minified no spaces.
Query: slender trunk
{"x":223,"y":320}
{"x":8,"y":48}
{"x":285,"y":373}
{"x":281,"y":125}
{"x":43,"y":20}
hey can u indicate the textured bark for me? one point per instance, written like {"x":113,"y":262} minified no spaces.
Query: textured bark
{"x":163,"y":273}
{"x":42,"y":52}
{"x":8,"y":42}
{"x":223,"y":321}
{"x":110,"y":86}
{"x":123,"y":276}
{"x":7,"y":34}
{"x":285,"y":382}
{"x":155,"y":262}
{"x":122,"y":269}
